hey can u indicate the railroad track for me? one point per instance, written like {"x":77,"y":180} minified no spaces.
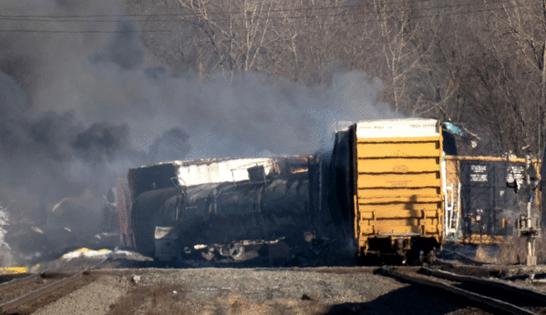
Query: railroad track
{"x":25,"y":295}
{"x":491,"y":295}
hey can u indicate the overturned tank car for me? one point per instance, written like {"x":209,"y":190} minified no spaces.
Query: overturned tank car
{"x":227,"y":210}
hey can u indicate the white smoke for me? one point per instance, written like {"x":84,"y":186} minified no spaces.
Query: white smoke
{"x":6,"y":257}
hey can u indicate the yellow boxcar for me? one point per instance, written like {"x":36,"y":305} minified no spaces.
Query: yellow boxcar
{"x":398,"y":197}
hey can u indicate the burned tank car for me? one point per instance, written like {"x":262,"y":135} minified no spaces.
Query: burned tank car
{"x":227,"y":210}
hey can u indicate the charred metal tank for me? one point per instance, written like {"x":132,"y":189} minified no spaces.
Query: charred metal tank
{"x":228,"y":210}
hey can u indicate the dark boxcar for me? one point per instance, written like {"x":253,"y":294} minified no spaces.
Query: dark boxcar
{"x":494,"y":193}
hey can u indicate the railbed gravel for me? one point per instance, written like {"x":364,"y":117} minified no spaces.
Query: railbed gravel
{"x":252,"y":291}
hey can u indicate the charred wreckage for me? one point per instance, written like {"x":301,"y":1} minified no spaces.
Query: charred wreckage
{"x":229,"y":210}
{"x":388,"y":188}
{"x":377,"y":193}
{"x":393,"y":189}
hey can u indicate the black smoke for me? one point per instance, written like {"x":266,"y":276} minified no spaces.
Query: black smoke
{"x":124,"y":49}
{"x":46,"y":157}
{"x":171,"y":145}
{"x":101,"y":143}
{"x":78,"y":109}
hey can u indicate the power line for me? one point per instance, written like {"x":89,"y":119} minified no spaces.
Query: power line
{"x":418,"y":17}
{"x":119,"y":17}
{"x":190,"y":14}
{"x":467,"y":12}
{"x":81,"y":31}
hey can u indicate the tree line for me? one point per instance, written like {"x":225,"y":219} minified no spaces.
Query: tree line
{"x":476,"y":63}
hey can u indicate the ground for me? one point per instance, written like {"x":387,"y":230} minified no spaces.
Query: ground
{"x":250,"y":291}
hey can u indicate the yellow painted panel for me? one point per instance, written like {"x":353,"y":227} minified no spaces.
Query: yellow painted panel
{"x":367,"y":230}
{"x":398,"y":149}
{"x":415,"y":220}
{"x":398,"y":180}
{"x":398,"y":226}
{"x":405,"y":214}
{"x":398,"y":188}
{"x":394,"y":224}
{"x":398,"y":165}
{"x":371,"y":193}
{"x":397,"y":207}
{"x":399,"y":199}
{"x":13,"y":270}
{"x":403,"y":228}
{"x":398,"y":230}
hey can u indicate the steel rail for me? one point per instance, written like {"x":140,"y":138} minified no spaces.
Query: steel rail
{"x":536,"y":296}
{"x":19,"y":281}
{"x":497,"y":305}
{"x":11,"y":306}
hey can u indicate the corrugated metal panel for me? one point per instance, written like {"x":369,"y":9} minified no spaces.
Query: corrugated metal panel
{"x":379,"y":193}
{"x":426,"y":147}
{"x":399,"y":165}
{"x":399,"y":182}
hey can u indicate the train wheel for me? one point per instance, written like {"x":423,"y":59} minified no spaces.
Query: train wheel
{"x":237,"y":252}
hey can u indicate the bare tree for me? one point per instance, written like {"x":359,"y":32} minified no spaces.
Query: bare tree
{"x":526,"y":24}
{"x":480,"y":64}
{"x":237,"y":30}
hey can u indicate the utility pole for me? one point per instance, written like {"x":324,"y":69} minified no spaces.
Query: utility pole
{"x":528,"y":224}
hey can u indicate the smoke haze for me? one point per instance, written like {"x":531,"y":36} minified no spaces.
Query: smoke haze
{"x":77,"y":110}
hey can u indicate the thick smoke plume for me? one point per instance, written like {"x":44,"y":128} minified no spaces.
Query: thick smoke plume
{"x":78,"y":109}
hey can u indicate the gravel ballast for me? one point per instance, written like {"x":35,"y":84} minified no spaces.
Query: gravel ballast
{"x":251,"y":291}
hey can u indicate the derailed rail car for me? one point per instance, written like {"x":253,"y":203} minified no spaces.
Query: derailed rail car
{"x":229,"y":210}
{"x":486,"y":195}
{"x":377,"y":193}
{"x":394,"y":181}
